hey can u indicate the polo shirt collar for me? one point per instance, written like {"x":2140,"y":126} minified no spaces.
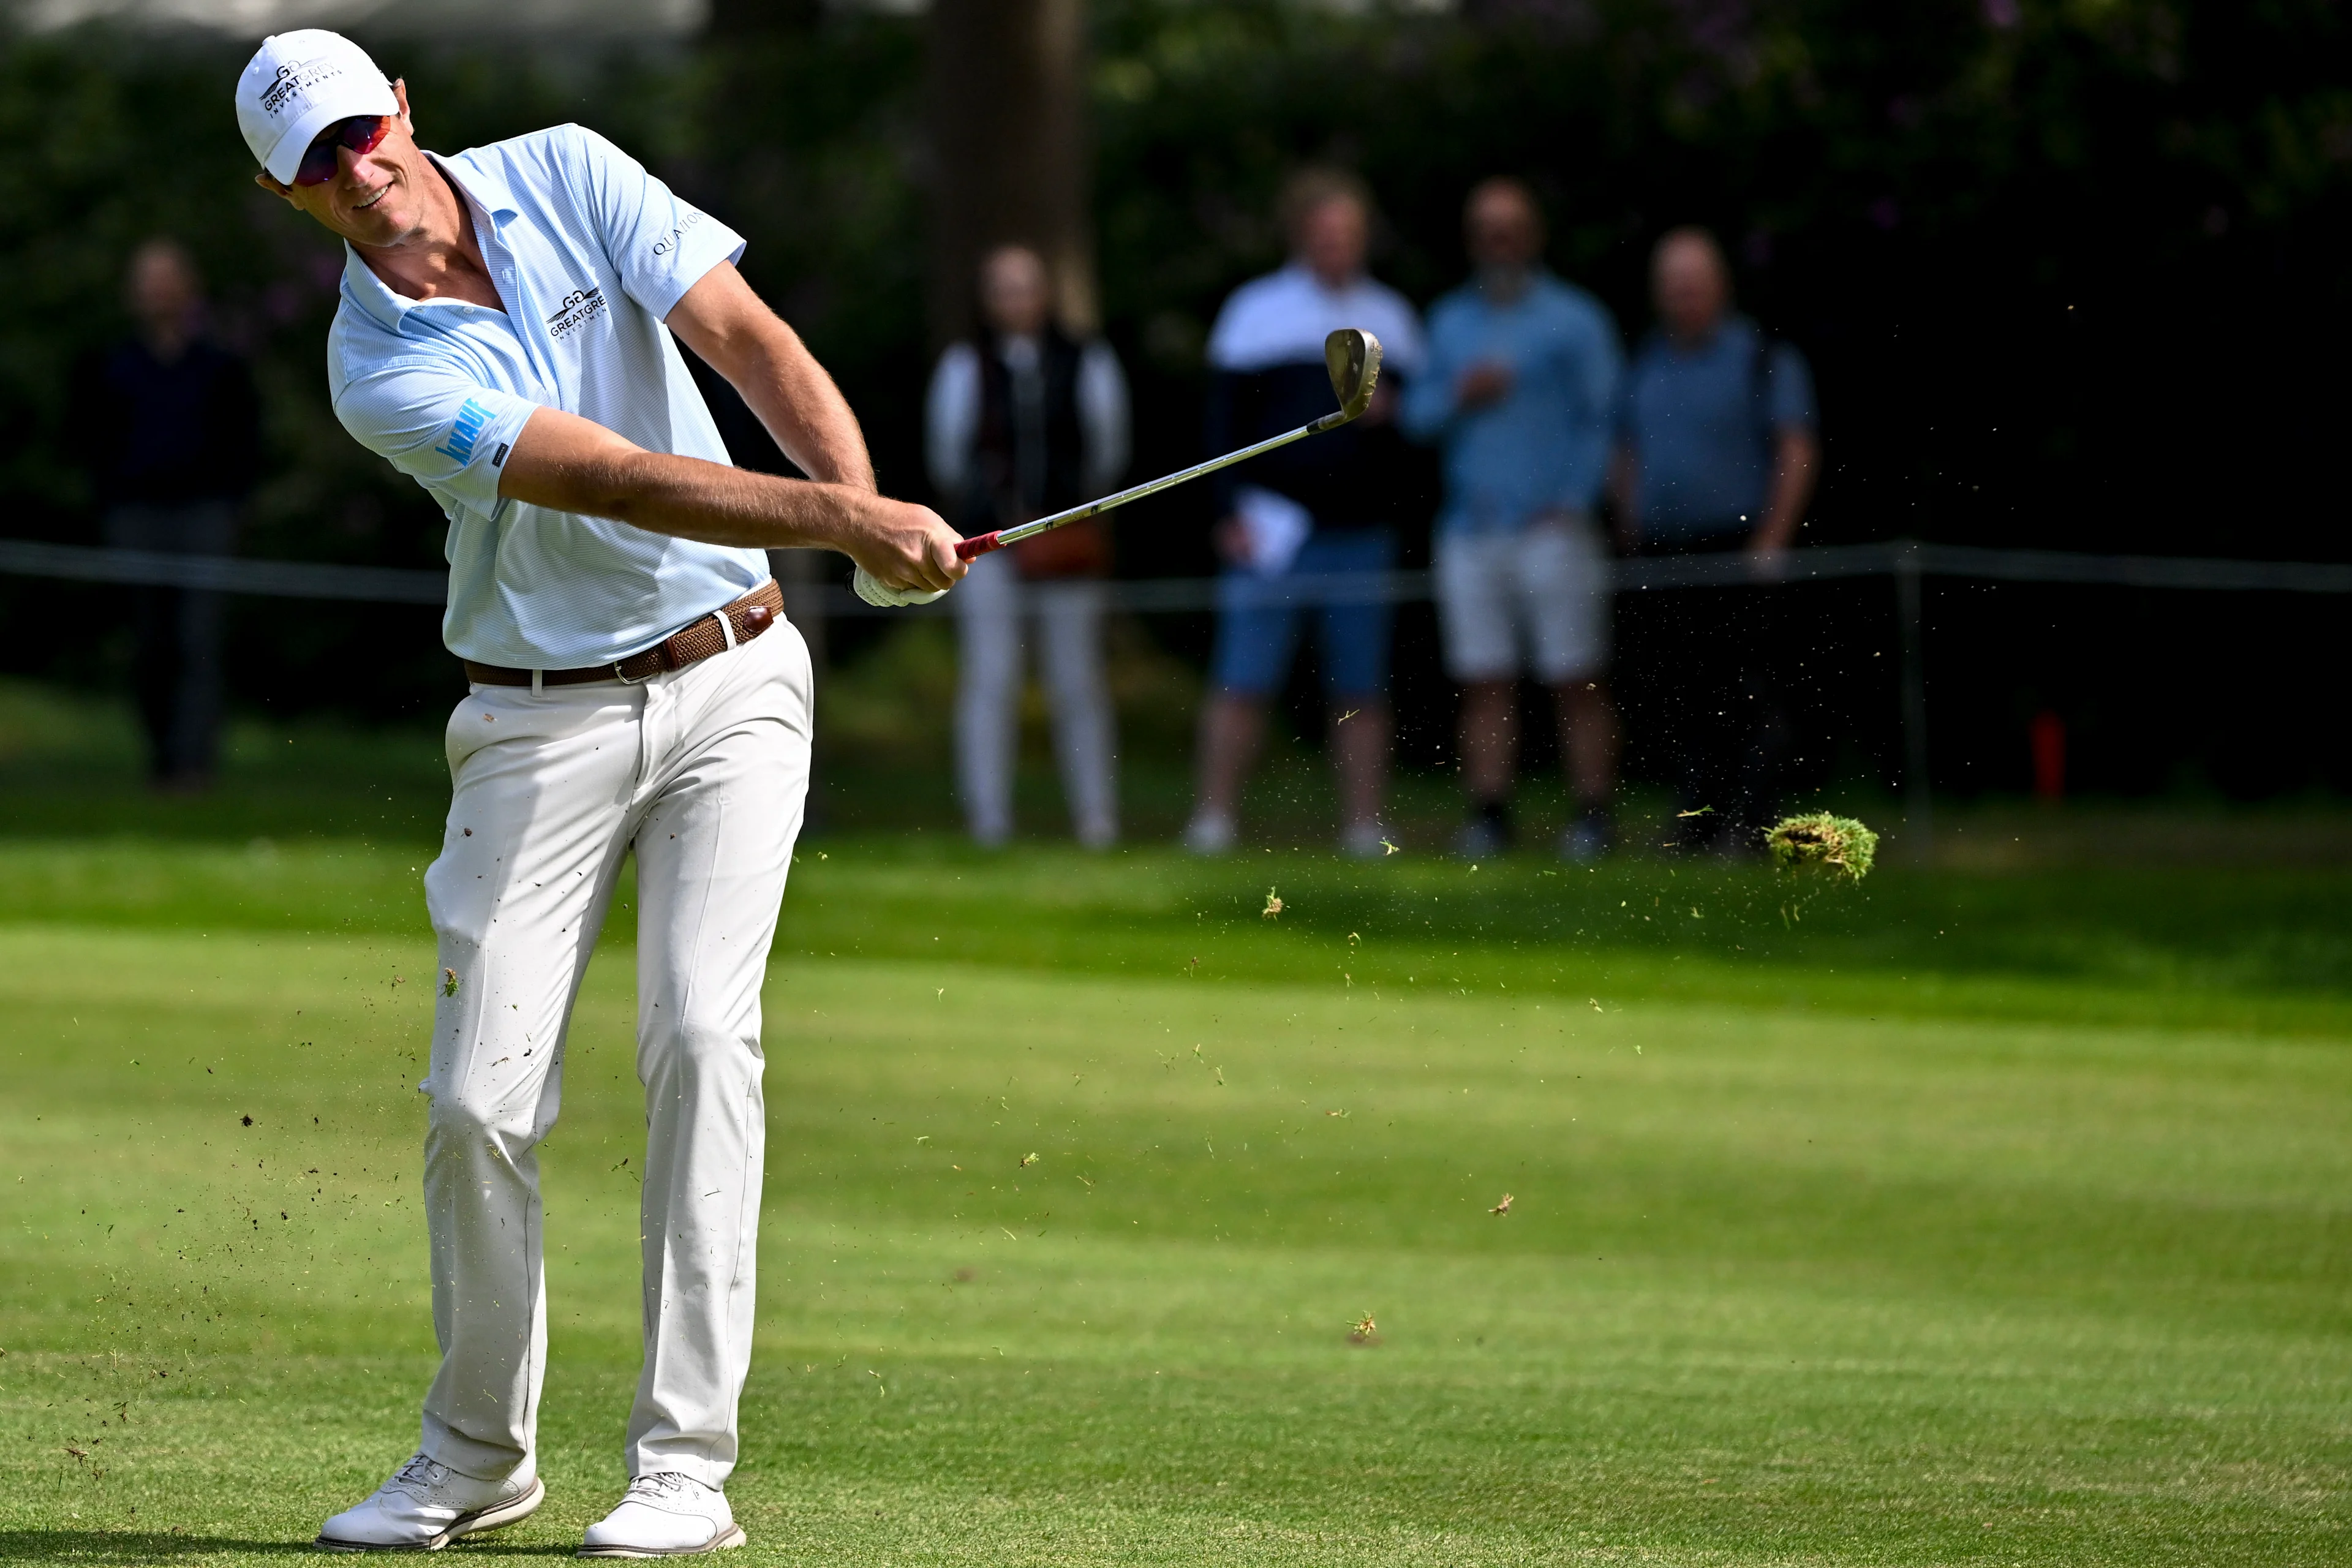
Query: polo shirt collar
{"x":480,"y":186}
{"x":482,"y":182}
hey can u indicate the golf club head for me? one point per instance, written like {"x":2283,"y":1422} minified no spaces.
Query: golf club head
{"x":1352,"y":355}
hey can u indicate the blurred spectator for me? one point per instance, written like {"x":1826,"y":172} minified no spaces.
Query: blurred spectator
{"x":1520,"y":389}
{"x":168,"y":429}
{"x":1717,"y":452}
{"x":1023,"y":422}
{"x":1306,"y":528}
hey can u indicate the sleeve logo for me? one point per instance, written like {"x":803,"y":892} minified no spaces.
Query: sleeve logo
{"x":667,"y":244}
{"x":575,"y":310}
{"x":471,"y":419}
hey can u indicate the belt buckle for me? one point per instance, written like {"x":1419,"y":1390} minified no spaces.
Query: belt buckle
{"x":622,"y":675}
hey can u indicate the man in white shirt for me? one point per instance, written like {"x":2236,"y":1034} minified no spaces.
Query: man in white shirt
{"x":1305,"y":528}
{"x":504,"y":338}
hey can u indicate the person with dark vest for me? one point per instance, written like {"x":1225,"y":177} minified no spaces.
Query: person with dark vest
{"x":1023,"y":421}
{"x":168,"y":427}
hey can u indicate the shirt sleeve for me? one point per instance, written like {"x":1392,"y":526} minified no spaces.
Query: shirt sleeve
{"x":441,"y":429}
{"x":660,"y":244}
{"x":1792,"y":390}
{"x":950,"y":420}
{"x":1103,"y":416}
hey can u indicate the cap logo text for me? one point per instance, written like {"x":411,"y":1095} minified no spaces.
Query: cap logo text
{"x":296,"y":76}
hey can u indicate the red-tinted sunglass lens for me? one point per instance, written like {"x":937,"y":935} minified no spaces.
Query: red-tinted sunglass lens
{"x":361,"y":133}
{"x":367,"y":132}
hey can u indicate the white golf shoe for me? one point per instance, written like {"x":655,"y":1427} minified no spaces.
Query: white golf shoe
{"x":426,"y":1506}
{"x":664,"y":1514}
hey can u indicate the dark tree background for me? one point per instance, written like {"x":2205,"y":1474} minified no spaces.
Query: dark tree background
{"x":2070,"y":275}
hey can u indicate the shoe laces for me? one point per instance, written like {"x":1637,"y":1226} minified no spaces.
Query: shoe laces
{"x":419,"y":1477}
{"x":661,"y":1484}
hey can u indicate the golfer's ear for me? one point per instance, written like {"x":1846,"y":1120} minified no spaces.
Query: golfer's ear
{"x":283,"y":193}
{"x":400,"y":97}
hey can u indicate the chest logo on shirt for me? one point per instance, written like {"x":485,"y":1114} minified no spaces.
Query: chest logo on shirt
{"x":576,"y":309}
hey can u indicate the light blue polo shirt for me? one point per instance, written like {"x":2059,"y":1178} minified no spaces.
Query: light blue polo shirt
{"x":1701,"y":420}
{"x":1542,"y":448}
{"x":589,"y":253}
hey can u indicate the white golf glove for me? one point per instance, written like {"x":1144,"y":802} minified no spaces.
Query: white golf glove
{"x":875,"y":592}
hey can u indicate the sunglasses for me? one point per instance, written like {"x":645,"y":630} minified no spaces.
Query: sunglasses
{"x":362,"y":134}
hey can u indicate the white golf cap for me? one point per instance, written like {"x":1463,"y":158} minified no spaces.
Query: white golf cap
{"x":298,"y":84}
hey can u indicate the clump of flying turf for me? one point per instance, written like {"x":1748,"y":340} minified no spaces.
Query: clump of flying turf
{"x":1819,"y":841}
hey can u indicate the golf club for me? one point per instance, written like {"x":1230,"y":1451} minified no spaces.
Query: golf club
{"x":1351,"y":355}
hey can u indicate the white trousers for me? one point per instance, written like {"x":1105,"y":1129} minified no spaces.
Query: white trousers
{"x":703,"y":773}
{"x":991,"y":603}
{"x":1545,"y":585}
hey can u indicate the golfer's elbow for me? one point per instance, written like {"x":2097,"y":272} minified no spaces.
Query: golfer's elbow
{"x":567,"y":464}
{"x":627,"y":486}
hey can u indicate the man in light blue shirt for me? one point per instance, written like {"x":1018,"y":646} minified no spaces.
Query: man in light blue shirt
{"x":1519,"y":391}
{"x":504,"y":338}
{"x":1717,"y":453}
{"x":1717,"y":426}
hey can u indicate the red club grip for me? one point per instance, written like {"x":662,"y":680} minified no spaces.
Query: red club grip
{"x":978,"y":546}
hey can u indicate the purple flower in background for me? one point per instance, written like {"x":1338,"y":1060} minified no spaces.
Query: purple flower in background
{"x":2002,"y":14}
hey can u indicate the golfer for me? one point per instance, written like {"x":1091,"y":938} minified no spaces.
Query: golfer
{"x":504,"y":338}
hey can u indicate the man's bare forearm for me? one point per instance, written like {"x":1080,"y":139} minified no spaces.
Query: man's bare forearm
{"x":717,"y":504}
{"x":570,"y":464}
{"x":565,"y":463}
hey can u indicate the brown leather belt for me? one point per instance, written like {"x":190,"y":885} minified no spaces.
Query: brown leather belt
{"x":746,"y":618}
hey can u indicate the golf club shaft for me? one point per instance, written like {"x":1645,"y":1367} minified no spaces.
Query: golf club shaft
{"x":980,"y":545}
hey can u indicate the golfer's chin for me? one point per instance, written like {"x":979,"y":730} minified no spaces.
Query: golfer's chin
{"x":388,"y":222}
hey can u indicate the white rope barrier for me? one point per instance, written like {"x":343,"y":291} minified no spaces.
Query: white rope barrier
{"x":225,"y":574}
{"x":1163,"y":595}
{"x":1906,"y":561}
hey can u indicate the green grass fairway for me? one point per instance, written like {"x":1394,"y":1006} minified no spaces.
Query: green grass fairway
{"x":1985,"y":1219}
